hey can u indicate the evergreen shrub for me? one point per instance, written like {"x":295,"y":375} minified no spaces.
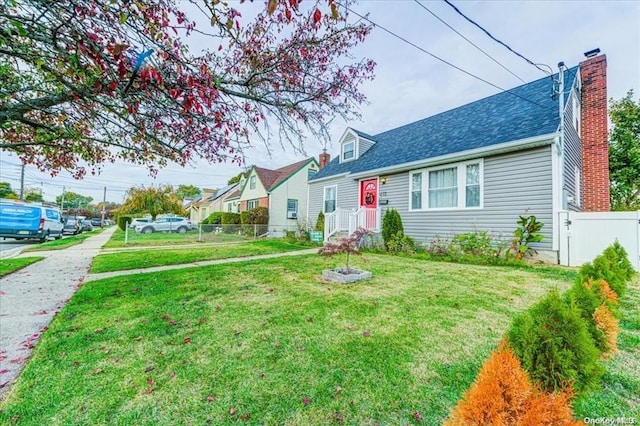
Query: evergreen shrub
{"x":556,"y":349}
{"x":391,"y":226}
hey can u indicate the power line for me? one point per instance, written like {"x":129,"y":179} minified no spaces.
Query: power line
{"x":469,"y":41}
{"x":459,"y":12}
{"x":440,"y":59}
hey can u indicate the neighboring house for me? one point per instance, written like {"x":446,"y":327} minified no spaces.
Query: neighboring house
{"x":199,"y":208}
{"x":478,"y":166}
{"x":283,"y":191}
{"x":217,"y":201}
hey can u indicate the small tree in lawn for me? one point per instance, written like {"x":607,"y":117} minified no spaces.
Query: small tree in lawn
{"x":348,"y":246}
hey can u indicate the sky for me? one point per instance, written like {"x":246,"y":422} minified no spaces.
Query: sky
{"x":409,"y":84}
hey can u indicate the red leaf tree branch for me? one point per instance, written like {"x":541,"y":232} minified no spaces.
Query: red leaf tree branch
{"x":87,"y":82}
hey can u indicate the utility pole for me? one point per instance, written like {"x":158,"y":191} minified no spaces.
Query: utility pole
{"x":104,"y":207}
{"x":62,"y":201}
{"x":22,"y":183}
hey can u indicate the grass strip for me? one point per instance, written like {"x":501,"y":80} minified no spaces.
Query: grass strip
{"x":8,"y":266}
{"x":148,"y":258}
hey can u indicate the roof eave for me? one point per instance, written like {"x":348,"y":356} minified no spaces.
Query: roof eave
{"x":322,"y":179}
{"x":302,"y":166}
{"x":502,"y":148}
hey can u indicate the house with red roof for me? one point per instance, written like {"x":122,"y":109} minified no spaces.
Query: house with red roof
{"x":283,"y":191}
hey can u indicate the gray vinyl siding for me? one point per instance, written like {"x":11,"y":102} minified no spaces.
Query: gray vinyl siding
{"x":347,"y":195}
{"x":514,"y":184}
{"x":572,"y":154}
{"x":363,"y":146}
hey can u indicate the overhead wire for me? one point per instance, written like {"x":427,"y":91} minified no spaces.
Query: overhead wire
{"x":469,"y":41}
{"x":399,"y":37}
{"x":459,"y":12}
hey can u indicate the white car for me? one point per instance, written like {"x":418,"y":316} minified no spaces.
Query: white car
{"x":139,"y":221}
{"x":165,"y":224}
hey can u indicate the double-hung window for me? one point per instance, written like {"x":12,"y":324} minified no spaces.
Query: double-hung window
{"x":252,"y":182}
{"x":456,"y":186}
{"x":292,"y":209}
{"x":348,"y":150}
{"x":443,"y":188}
{"x":330,"y":195}
{"x":252,"y":204}
{"x":416,"y":191}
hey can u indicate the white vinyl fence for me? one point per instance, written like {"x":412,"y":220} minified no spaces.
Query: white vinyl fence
{"x":584,"y":236}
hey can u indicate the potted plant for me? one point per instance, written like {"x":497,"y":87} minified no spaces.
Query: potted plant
{"x":348,"y":246}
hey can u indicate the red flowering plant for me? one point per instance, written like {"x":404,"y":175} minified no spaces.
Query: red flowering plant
{"x":348,"y":245}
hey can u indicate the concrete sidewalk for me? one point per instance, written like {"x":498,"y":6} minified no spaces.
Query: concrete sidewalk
{"x":30,"y":298}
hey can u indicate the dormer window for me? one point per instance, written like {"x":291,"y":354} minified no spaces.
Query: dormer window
{"x":348,"y":151}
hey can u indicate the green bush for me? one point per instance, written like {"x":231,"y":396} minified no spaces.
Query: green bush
{"x":391,"y":225}
{"x":245,"y":217}
{"x":553,"y":343}
{"x":401,"y":243}
{"x":612,"y":265}
{"x":230,"y":218}
{"x":527,"y":232}
{"x":477,"y":243}
{"x":214,"y":218}
{"x":585,"y":298}
{"x":622,"y":262}
{"x":124,"y":220}
{"x":259,"y":216}
{"x":320,"y":222}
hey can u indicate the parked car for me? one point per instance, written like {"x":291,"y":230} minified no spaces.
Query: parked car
{"x":72,"y":227}
{"x":165,"y":224}
{"x":22,"y":220}
{"x":96,"y":222}
{"x":86,"y":225}
{"x":139,"y":221}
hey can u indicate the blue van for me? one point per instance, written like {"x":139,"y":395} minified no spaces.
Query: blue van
{"x":22,"y":220}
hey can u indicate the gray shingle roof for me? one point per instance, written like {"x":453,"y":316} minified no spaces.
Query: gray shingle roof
{"x":500,"y":118}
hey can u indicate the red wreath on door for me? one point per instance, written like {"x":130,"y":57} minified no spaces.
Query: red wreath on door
{"x":369,"y":199}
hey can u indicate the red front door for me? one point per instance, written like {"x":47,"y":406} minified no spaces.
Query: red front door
{"x":369,"y":199}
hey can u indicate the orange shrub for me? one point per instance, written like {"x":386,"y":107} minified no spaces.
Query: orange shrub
{"x":503,"y":395}
{"x":610,"y":327}
{"x":607,"y":292}
{"x":549,"y":409}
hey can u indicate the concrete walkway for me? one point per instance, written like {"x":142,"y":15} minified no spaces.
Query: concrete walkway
{"x":92,"y":277}
{"x":31,"y":297}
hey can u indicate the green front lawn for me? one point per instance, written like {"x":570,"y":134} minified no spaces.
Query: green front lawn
{"x":7,"y":266}
{"x":148,"y":258}
{"x":268,"y":342}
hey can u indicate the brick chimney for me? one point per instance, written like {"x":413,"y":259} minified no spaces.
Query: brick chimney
{"x":594,"y":133}
{"x":323,"y":158}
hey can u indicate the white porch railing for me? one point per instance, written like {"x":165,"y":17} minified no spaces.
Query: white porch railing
{"x":348,"y":220}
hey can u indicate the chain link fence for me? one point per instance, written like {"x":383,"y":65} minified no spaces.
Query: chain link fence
{"x":214,"y":234}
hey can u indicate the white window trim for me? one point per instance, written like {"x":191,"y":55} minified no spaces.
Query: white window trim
{"x":355,"y":150}
{"x":252,"y":182}
{"x":324,"y":198}
{"x":462,"y":178}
